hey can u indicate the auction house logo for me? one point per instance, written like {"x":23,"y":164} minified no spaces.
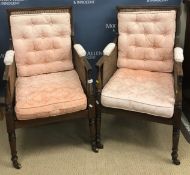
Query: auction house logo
{"x":156,"y":1}
{"x":111,"y":27}
{"x":84,"y":2}
{"x":92,"y":55}
{"x":11,"y":2}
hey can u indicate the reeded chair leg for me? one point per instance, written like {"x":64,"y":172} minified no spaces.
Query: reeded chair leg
{"x":92,"y":127}
{"x":176,"y":134}
{"x":98,"y":126}
{"x":12,"y":136}
{"x":12,"y":141}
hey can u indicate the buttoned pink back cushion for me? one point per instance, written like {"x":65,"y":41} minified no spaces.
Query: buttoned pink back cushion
{"x":42,"y":43}
{"x":146,"y":40}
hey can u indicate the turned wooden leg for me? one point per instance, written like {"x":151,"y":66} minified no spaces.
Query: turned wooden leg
{"x":12,"y":141}
{"x":176,"y":134}
{"x":92,"y":127}
{"x":98,"y":126}
{"x":12,"y":136}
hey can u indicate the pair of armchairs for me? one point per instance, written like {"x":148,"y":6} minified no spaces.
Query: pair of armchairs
{"x":49,"y":78}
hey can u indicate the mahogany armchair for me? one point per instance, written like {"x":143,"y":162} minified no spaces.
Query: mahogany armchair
{"x":48,"y":78}
{"x":140,"y":73}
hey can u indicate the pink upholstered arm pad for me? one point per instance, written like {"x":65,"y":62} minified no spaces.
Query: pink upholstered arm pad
{"x":109,"y":49}
{"x":80,"y":50}
{"x":178,"y":54}
{"x":9,"y":57}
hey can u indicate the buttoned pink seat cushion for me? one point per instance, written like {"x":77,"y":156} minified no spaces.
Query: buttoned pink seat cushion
{"x":42,"y":42}
{"x":146,"y":40}
{"x":140,"y":91}
{"x":49,"y":95}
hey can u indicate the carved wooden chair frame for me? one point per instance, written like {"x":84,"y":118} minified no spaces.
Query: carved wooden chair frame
{"x":106,"y":67}
{"x":84,"y":71}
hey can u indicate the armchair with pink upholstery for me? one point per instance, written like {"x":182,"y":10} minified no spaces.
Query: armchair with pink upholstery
{"x":48,"y":76}
{"x":141,"y":71}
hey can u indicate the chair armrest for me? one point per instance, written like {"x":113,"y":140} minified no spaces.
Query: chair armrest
{"x":80,"y":50}
{"x":178,"y":54}
{"x":83,"y":69}
{"x":109,"y":49}
{"x":106,"y":66}
{"x":9,"y":76}
{"x":178,"y":75}
{"x":9,"y":57}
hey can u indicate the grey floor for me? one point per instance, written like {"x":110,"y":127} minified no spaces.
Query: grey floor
{"x":131,"y":147}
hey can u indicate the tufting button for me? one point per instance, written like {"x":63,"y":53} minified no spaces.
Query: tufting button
{"x":50,"y":22}
{"x":166,"y":32}
{"x":33,"y":49}
{"x":155,"y":20}
{"x":23,"y":36}
{"x":32,"y":22}
{"x":36,"y":48}
{"x":43,"y":35}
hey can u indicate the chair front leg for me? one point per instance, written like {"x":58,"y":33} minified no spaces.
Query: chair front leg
{"x":176,"y":135}
{"x":98,"y":122}
{"x":106,"y":66}
{"x":12,"y":136}
{"x":91,"y":115}
{"x":91,"y":110}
